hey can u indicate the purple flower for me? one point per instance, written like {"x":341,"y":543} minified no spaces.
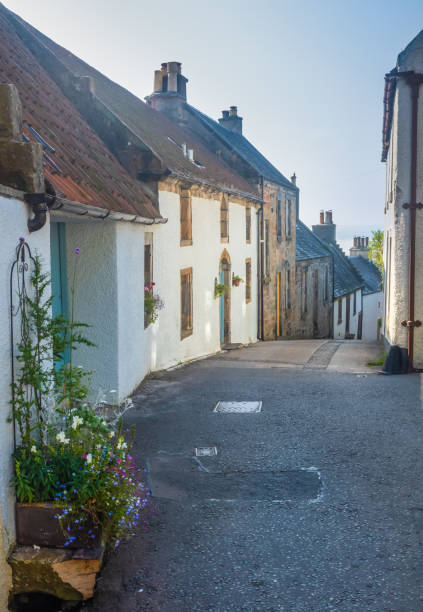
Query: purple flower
{"x":77,"y":251}
{"x":21,"y":239}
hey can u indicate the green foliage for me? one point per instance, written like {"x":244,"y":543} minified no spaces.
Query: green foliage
{"x":376,"y":249}
{"x":219,"y":290}
{"x":152,"y":304}
{"x":68,"y":453}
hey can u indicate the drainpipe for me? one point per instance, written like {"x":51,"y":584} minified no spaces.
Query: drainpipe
{"x":262,"y":261}
{"x":414,"y":81}
{"x":40,"y":204}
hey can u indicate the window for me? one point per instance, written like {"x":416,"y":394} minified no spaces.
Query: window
{"x":287,"y":289}
{"x":288,"y":219}
{"x":305,"y":291}
{"x":248,"y":224}
{"x":186,"y":302}
{"x":148,"y":265}
{"x":267,"y":248}
{"x":355,"y":303}
{"x":279,"y":220}
{"x":339,"y":311}
{"x":186,"y":218}
{"x":224,"y":220}
{"x":326,"y":292}
{"x":248,"y":280}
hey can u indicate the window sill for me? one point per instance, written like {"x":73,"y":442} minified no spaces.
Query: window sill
{"x":224,"y":239}
{"x":185,"y":333}
{"x":186,"y":242}
{"x":247,"y":300}
{"x":248,"y":241}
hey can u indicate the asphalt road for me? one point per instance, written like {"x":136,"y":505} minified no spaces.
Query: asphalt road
{"x":313,"y":504}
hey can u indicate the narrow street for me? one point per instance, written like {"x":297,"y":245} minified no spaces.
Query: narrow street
{"x":312,"y":504}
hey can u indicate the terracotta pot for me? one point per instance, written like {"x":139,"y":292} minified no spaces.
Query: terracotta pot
{"x":236,"y":283}
{"x":35,"y":524}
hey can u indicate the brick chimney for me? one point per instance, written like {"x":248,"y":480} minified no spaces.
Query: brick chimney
{"x":326,"y":230}
{"x":231,"y":120}
{"x":170,"y":91}
{"x":360,"y":247}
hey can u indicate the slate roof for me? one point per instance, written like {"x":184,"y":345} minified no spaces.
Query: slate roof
{"x":308,"y":245}
{"x":245,"y":149}
{"x":369,"y":272}
{"x":345,"y":277}
{"x":81,"y":168}
{"x":162,"y":137}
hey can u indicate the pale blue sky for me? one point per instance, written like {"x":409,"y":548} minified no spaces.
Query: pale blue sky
{"x":307,"y":77}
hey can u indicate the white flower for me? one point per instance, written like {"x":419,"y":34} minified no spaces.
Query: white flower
{"x":61,"y":437}
{"x":104,"y":423}
{"x":77,"y":421}
{"x":33,"y":449}
{"x":112,"y":434}
{"x":98,"y":447}
{"x":121,"y":444}
{"x":89,"y":458}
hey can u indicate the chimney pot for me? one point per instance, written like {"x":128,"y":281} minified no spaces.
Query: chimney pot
{"x":367,"y":241}
{"x":225,"y":114}
{"x":322,"y":217}
{"x":233,"y":111}
{"x":294,"y":179}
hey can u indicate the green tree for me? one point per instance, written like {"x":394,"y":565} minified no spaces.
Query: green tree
{"x":376,"y":249}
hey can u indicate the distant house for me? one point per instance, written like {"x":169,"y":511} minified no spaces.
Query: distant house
{"x":314,"y":285}
{"x":372,"y":290}
{"x":276,"y":223}
{"x":403,"y":235}
{"x":347,"y":284}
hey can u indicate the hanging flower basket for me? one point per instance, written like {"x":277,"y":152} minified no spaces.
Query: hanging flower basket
{"x":219,"y":290}
{"x":237,"y":280}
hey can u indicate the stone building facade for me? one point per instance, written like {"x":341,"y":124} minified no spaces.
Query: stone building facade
{"x":347,"y":284}
{"x":314,"y":286}
{"x":276,"y":220}
{"x":403,"y":232}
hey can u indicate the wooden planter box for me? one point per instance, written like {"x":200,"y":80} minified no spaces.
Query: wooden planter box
{"x":35,"y":524}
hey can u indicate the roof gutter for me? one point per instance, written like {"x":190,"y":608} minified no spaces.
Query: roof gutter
{"x":95,"y":212}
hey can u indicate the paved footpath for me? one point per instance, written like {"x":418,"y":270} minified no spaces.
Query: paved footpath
{"x":313,"y":504}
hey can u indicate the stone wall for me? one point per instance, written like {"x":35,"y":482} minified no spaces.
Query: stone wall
{"x":279,"y":257}
{"x":314,"y":309}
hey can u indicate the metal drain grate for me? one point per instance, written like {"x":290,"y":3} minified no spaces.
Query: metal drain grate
{"x":206,"y":451}
{"x":237,"y":407}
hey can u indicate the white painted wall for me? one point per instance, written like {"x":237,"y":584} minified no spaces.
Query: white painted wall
{"x":96,"y":299}
{"x":133,"y":350}
{"x":13,"y":223}
{"x":396,"y":217}
{"x":339,"y":328}
{"x":203,"y":256}
{"x":372,"y":311}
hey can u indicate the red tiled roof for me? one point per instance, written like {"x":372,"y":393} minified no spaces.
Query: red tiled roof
{"x":89,"y":172}
{"x":161,"y":135}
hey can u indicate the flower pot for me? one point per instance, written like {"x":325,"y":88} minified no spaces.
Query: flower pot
{"x":236,"y":283}
{"x":35,"y":524}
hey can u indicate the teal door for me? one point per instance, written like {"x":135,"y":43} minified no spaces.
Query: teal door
{"x":222,"y":309}
{"x":59,"y":285}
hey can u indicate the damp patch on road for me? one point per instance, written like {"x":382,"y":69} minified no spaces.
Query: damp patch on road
{"x":186,"y":480}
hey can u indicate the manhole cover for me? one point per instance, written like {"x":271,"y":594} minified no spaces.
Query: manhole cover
{"x":237,"y":407}
{"x":205,"y":451}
